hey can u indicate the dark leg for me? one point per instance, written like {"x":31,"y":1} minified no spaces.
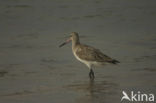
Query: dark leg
{"x":91,"y":74}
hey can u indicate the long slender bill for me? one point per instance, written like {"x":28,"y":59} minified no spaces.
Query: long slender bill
{"x":67,"y":41}
{"x":62,"y":44}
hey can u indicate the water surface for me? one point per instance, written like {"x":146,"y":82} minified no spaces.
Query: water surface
{"x":34,"y":69}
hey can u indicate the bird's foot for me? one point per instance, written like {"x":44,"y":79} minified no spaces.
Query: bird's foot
{"x":91,"y":74}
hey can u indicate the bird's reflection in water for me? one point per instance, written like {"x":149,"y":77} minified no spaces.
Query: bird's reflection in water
{"x":95,"y":91}
{"x":91,"y":87}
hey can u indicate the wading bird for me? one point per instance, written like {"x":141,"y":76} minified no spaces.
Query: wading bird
{"x":87,"y":54}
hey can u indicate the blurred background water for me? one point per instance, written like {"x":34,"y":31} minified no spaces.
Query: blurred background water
{"x":34,"y":69}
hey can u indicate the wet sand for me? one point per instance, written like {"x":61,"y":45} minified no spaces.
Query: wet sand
{"x":34,"y":69}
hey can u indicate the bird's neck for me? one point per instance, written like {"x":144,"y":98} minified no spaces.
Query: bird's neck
{"x":75,"y":43}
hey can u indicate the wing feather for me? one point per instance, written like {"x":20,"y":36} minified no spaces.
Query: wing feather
{"x":91,"y":54}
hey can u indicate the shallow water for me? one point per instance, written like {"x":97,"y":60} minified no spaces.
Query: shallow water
{"x":34,"y":69}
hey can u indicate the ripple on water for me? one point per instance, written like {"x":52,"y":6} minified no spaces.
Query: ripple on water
{"x":93,"y":91}
{"x":3,"y":73}
{"x":146,"y":57}
{"x":94,"y":87}
{"x":147,"y":69}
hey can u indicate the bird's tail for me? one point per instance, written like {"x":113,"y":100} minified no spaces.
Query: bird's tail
{"x":114,"y":61}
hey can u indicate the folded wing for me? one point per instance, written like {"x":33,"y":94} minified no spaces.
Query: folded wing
{"x":91,"y":54}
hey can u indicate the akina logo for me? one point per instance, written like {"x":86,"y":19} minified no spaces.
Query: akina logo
{"x":137,"y":96}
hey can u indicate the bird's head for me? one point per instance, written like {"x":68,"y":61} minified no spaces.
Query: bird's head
{"x":73,"y":37}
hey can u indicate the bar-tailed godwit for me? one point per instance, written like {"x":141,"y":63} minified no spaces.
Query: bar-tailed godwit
{"x":87,"y":54}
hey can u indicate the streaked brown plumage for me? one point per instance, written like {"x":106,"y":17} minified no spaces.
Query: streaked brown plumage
{"x":91,"y":54}
{"x":87,"y":54}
